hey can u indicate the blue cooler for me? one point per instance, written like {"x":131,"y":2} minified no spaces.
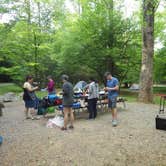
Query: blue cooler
{"x":76,"y":105}
{"x":52,"y":97}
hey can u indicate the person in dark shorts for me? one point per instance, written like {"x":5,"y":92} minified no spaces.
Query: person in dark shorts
{"x":68,"y":100}
{"x":112,"y":87}
{"x":29,"y":97}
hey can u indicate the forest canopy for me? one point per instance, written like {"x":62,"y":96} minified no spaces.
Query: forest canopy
{"x":44,"y":37}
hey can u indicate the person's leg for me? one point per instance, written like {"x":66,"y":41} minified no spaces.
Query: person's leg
{"x":95,"y":108}
{"x":114,"y":112}
{"x":66,"y":112}
{"x":26,"y":113}
{"x":31,"y":112}
{"x":90,"y":108}
{"x":71,"y":117}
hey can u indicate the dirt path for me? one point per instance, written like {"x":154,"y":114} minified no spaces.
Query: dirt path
{"x":134,"y":142}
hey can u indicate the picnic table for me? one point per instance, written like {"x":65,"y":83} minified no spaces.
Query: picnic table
{"x":102,"y":101}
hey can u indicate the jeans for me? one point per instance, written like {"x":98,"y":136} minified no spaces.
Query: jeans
{"x":92,"y":108}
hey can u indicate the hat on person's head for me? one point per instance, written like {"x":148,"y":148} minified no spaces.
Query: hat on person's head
{"x":65,"y":77}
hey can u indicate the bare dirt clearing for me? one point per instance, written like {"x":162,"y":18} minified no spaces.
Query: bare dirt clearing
{"x":134,"y":142}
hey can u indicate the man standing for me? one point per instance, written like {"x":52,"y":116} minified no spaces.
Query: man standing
{"x":67,"y":102}
{"x":93,"y":91}
{"x":112,"y":88}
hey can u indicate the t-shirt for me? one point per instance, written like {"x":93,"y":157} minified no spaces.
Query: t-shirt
{"x":27,"y":94}
{"x":27,"y":86}
{"x":111,"y":84}
{"x":50,"y":86}
{"x":68,"y":94}
{"x":93,"y":90}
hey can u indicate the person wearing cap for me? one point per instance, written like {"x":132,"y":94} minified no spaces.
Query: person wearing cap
{"x":50,"y":86}
{"x":112,"y":87}
{"x":68,"y":100}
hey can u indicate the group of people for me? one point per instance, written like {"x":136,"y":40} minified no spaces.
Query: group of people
{"x":112,"y":87}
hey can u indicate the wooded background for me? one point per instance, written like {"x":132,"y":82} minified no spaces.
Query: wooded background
{"x":43,"y":37}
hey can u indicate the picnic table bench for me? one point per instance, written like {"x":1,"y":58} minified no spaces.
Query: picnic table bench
{"x":102,"y":103}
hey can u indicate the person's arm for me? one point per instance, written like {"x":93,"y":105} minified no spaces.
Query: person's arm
{"x":115,"y":88}
{"x":30,"y":88}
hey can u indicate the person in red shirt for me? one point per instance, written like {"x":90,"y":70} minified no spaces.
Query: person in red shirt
{"x":50,"y":86}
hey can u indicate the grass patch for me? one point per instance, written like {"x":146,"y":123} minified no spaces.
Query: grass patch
{"x":9,"y":87}
{"x":131,"y":96}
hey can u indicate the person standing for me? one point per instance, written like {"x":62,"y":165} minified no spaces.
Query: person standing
{"x":93,"y":91}
{"x":50,"y":86}
{"x":29,"y":97}
{"x":68,"y":100}
{"x":112,"y":87}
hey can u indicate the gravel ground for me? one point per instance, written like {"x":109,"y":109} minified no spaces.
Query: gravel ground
{"x":134,"y":142}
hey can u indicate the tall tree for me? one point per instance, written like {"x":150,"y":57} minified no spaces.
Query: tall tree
{"x":146,"y":74}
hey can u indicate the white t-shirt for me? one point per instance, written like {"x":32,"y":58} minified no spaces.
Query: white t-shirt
{"x":93,"y":90}
{"x":28,"y":86}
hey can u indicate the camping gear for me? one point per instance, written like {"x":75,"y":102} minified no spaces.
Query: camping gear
{"x":50,"y":109}
{"x":1,"y":107}
{"x":58,"y":121}
{"x":1,"y":140}
{"x":161,"y":122}
{"x":52,"y":98}
{"x":41,"y":111}
{"x":161,"y":117}
{"x":76,"y":105}
{"x":58,"y":102}
{"x":80,"y":86}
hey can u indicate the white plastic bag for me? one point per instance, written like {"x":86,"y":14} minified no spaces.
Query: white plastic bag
{"x":57,"y":121}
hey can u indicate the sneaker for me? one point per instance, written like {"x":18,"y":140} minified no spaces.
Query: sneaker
{"x":35,"y":118}
{"x":63,"y":128}
{"x":71,"y":127}
{"x":114,"y":123}
{"x":28,"y":117}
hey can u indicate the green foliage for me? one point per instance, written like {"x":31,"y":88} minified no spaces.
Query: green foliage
{"x":44,"y":38}
{"x":5,"y":88}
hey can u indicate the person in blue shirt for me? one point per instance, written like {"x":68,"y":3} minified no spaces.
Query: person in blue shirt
{"x":112,"y":87}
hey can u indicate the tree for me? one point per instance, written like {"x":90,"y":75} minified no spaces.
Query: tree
{"x":146,"y":74}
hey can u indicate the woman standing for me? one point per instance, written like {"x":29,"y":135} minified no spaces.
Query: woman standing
{"x":50,"y":86}
{"x":68,"y":100}
{"x":29,"y":97}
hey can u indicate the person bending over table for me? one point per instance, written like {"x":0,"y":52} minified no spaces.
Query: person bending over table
{"x":112,"y":87}
{"x":67,"y":102}
{"x":93,"y":91}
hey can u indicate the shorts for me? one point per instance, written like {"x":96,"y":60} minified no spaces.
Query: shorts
{"x":29,"y":103}
{"x":68,"y":106}
{"x":112,"y":102}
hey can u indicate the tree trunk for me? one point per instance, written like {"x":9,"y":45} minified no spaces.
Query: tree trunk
{"x":146,"y":74}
